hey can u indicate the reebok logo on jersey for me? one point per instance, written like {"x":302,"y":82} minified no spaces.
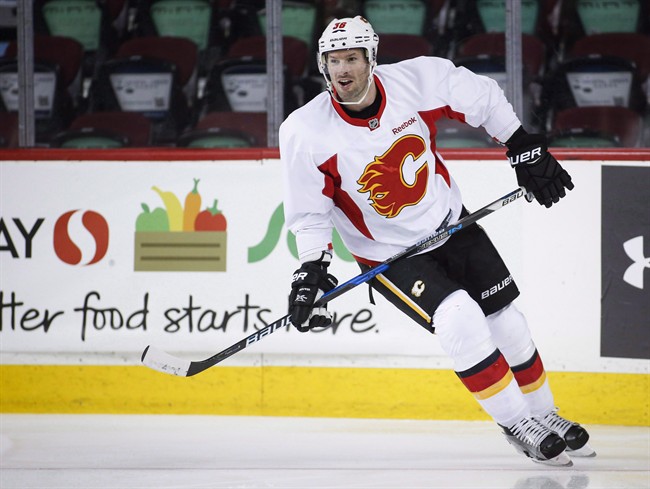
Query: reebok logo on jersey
{"x":526,"y":157}
{"x":496,"y":288}
{"x":404,"y":125}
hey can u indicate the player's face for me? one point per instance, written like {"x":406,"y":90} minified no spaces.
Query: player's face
{"x":349,"y":70}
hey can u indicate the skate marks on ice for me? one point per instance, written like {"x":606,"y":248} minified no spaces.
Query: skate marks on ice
{"x":188,"y":452}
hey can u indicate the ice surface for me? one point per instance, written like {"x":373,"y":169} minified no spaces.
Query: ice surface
{"x":188,"y":452}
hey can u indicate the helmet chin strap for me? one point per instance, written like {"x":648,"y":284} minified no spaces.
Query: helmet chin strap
{"x":365,"y":94}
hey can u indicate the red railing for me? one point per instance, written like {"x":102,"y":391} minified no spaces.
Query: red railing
{"x":184,"y":154}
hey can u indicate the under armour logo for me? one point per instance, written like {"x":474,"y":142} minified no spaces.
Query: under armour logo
{"x":418,"y":288}
{"x":634,"y":273}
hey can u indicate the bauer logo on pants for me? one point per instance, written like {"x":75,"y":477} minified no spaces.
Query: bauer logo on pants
{"x":625,"y":257}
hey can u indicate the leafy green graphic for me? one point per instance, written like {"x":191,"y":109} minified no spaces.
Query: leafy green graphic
{"x":272,"y":237}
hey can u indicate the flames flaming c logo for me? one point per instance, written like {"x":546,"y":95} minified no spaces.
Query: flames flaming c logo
{"x":384,"y":177}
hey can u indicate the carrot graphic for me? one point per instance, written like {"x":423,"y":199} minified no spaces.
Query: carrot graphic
{"x":192,"y":207}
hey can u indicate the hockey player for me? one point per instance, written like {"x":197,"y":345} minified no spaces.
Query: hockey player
{"x":363,"y":158}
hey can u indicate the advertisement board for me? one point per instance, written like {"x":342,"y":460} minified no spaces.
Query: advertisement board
{"x":99,"y":257}
{"x":107,"y":257}
{"x":625,"y":267}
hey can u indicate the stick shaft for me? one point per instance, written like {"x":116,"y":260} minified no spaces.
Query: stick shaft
{"x":164,"y":362}
{"x":424,"y":244}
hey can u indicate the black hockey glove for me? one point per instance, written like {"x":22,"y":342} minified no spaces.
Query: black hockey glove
{"x":537,"y":170}
{"x":309,"y":283}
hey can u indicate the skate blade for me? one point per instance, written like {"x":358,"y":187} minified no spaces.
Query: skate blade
{"x":585,"y":451}
{"x":562,"y":460}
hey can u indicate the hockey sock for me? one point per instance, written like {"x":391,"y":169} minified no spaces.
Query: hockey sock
{"x":464,"y":335}
{"x":493,"y":385}
{"x":512,"y":336}
{"x":532,"y":381}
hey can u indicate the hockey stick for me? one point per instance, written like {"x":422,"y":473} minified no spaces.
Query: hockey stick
{"x":169,"y":364}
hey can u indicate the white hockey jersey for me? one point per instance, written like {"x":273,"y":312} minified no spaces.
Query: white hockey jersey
{"x":380,"y":181}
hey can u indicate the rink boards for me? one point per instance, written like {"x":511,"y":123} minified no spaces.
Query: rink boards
{"x":90,"y":278}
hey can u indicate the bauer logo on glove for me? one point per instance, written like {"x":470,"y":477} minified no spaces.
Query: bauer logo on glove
{"x":529,"y":157}
{"x":309,"y":283}
{"x":299,"y":276}
{"x":537,"y":170}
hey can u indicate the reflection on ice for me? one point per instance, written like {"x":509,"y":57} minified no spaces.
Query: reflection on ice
{"x":218,"y":452}
{"x":578,"y":481}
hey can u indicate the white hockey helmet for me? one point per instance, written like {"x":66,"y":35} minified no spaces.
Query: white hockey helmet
{"x":348,"y":33}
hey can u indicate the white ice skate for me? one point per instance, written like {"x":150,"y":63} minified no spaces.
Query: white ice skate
{"x":575,"y":436}
{"x":536,"y":441}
